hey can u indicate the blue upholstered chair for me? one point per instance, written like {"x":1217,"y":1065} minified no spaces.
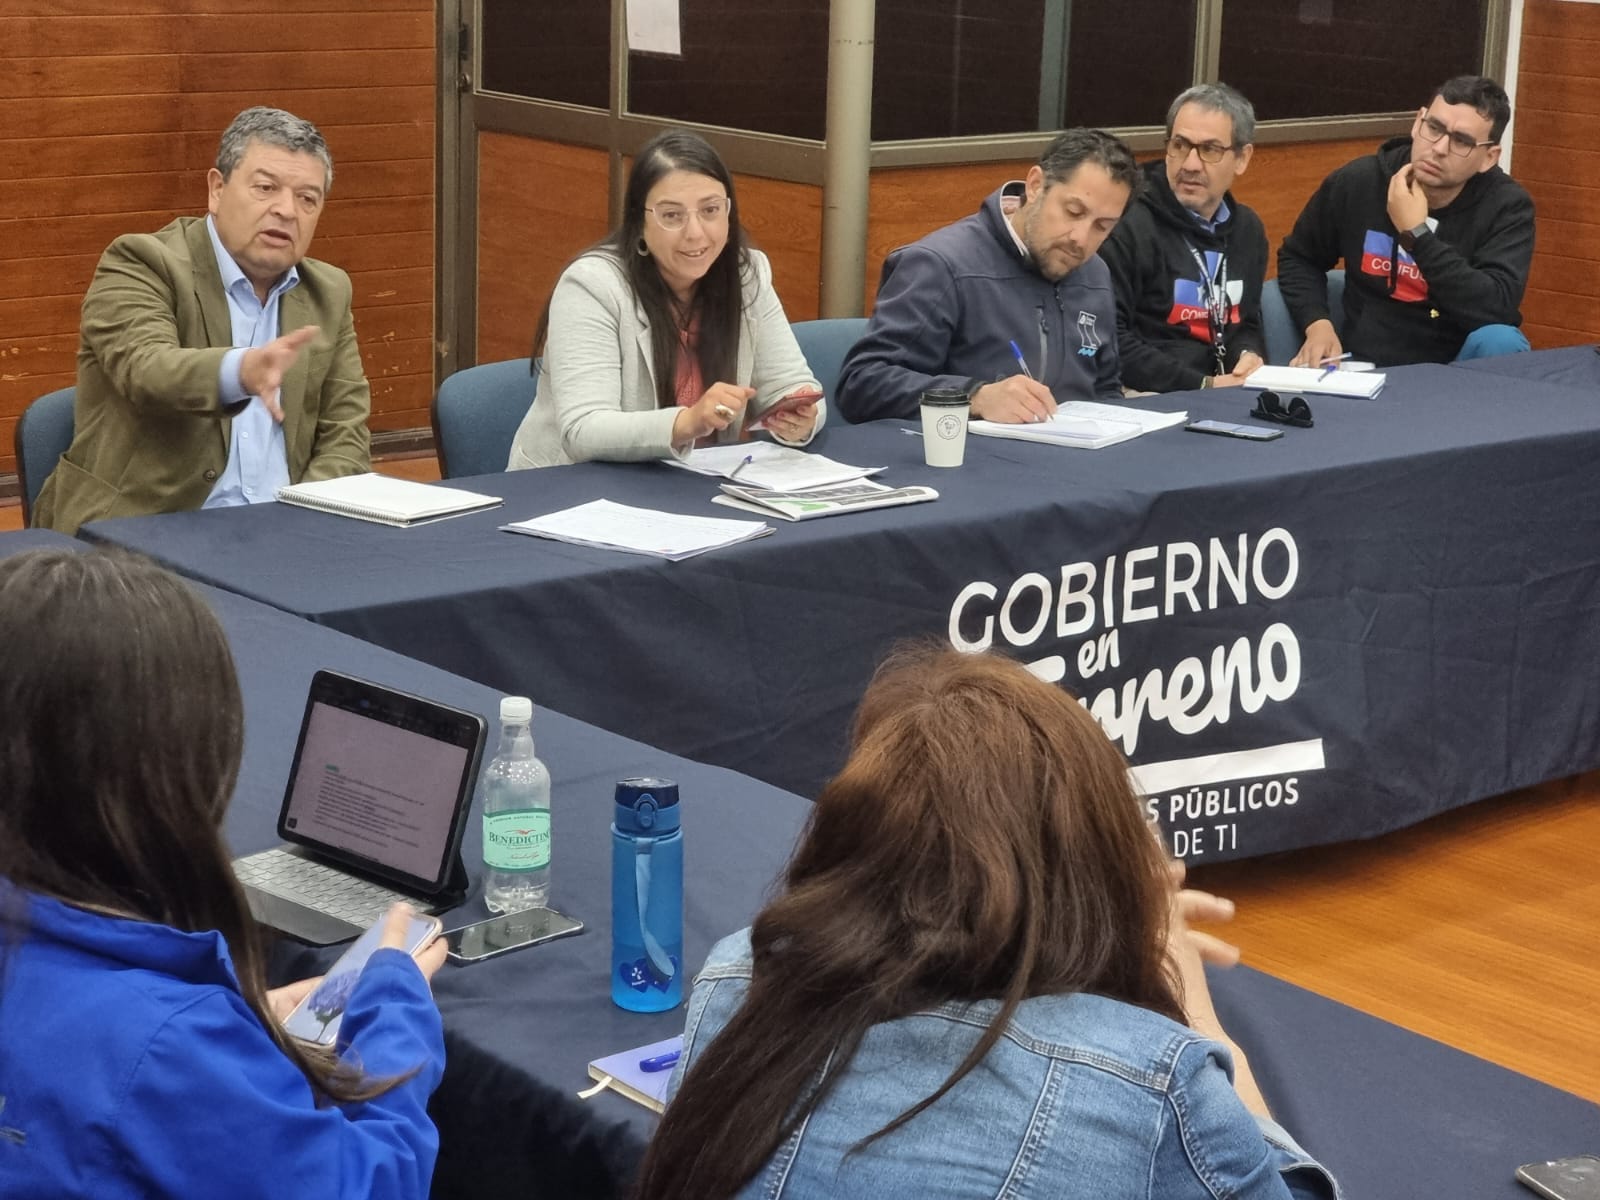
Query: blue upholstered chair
{"x":825,"y":343}
{"x":1283,"y":339}
{"x":43,"y":433}
{"x":476,"y":414}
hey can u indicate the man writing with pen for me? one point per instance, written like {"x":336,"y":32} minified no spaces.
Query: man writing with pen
{"x":1011,"y":305}
{"x":1436,"y":241}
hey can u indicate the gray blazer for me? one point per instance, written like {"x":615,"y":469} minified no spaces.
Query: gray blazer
{"x":597,"y":386}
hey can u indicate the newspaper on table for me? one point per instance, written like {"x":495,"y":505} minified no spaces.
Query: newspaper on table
{"x":854,"y":496}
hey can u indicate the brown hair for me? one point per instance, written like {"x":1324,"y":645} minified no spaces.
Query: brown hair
{"x":982,"y":842}
{"x":118,"y":754}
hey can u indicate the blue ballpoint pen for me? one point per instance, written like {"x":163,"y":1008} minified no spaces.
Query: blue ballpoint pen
{"x":660,"y":1062}
{"x":1021,"y":362}
{"x":1330,"y":365}
{"x":734,"y":474}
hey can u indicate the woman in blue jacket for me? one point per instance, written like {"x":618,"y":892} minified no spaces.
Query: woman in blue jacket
{"x":140,"y":1050}
{"x":977,"y":981}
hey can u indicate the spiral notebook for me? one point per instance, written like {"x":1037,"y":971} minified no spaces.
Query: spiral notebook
{"x":384,"y":499}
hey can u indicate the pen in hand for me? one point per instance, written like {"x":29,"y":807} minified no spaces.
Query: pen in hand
{"x":1330,"y":365}
{"x":1021,"y":362}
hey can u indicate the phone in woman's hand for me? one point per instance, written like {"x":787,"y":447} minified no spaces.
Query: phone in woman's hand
{"x":316,"y":1018}
{"x":786,"y":405}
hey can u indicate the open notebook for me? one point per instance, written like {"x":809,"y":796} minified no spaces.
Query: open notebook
{"x":1084,"y":424}
{"x":384,"y":499}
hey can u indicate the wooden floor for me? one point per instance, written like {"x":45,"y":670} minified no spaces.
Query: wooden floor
{"x":1480,"y":928}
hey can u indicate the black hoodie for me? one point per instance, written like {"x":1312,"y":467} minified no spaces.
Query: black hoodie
{"x":1404,"y":307}
{"x":1163,"y":331}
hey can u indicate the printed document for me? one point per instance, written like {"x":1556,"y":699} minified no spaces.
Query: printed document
{"x":613,"y":526}
{"x":1085,"y":424}
{"x":765,"y":465}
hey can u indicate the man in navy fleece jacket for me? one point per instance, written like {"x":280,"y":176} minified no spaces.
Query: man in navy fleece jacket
{"x":1023,"y":269}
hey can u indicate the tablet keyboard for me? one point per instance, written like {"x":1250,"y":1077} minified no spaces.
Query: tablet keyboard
{"x":314,"y":885}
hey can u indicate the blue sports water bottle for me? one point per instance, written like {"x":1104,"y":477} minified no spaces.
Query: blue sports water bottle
{"x":646,"y":897}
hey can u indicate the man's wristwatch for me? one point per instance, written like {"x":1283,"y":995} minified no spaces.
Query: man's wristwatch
{"x":1408,"y":238}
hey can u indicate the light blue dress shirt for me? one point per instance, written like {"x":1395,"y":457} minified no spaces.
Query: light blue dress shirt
{"x":258,"y":463}
{"x":1217,"y":218}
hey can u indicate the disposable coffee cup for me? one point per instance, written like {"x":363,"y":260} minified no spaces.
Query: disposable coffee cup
{"x":944,"y":426}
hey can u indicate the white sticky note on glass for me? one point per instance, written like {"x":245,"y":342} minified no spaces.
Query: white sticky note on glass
{"x":653,"y":27}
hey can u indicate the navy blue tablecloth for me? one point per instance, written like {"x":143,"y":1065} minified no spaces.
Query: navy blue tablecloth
{"x":1393,"y":1114}
{"x":1323,"y":637}
{"x":1574,"y":366}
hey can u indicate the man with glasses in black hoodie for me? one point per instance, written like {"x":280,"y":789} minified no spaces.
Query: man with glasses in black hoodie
{"x":1436,"y":240}
{"x":1187,"y":259}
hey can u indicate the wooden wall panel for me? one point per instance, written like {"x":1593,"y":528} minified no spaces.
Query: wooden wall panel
{"x":110,"y":111}
{"x":906,"y":203}
{"x":1556,"y":130}
{"x":1281,"y":179}
{"x":539,"y":204}
{"x":526,"y":184}
{"x":784,"y":221}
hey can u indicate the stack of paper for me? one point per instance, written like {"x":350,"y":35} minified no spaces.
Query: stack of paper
{"x":802,"y":505}
{"x":384,"y":499}
{"x":1086,"y":424}
{"x":1318,"y":381}
{"x":613,"y":526}
{"x":765,"y":465}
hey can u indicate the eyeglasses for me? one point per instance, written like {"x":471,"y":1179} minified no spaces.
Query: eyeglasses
{"x":1269,"y":407}
{"x":672,"y":218}
{"x":1432,"y":129}
{"x":1209,"y":152}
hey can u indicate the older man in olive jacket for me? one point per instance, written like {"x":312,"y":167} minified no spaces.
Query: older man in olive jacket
{"x":190,"y":393}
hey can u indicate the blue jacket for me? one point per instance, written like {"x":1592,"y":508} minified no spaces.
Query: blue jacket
{"x":130,"y":1066}
{"x":949,"y":307}
{"x":1084,"y":1098}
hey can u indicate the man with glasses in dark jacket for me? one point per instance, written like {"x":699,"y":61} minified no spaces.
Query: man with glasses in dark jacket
{"x":1436,"y":241}
{"x":1188,"y":259}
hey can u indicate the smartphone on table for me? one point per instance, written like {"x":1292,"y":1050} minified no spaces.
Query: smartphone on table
{"x":1574,"y":1178}
{"x":316,"y":1018}
{"x":506,"y":932}
{"x":1250,"y":433}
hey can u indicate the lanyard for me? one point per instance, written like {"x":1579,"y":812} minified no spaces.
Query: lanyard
{"x":1214,"y":287}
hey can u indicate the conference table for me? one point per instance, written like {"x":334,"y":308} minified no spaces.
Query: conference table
{"x":1393,"y":1114}
{"x":1296,"y":642}
{"x":1573,"y":366}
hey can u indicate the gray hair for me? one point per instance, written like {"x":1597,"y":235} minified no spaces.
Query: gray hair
{"x":1219,"y":97}
{"x":272,"y":127}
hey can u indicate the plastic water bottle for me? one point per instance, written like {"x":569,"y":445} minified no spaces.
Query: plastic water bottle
{"x":516,"y":816}
{"x":646,"y":897}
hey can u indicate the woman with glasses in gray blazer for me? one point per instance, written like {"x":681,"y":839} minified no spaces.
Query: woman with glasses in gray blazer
{"x":667,"y":334}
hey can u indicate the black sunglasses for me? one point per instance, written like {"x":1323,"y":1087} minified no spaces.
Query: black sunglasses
{"x":1270,"y":408}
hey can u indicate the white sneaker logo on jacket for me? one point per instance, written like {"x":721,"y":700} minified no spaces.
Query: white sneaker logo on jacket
{"x":1088,"y":338}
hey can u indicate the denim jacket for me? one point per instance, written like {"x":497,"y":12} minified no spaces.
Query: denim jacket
{"x":1083,"y":1097}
